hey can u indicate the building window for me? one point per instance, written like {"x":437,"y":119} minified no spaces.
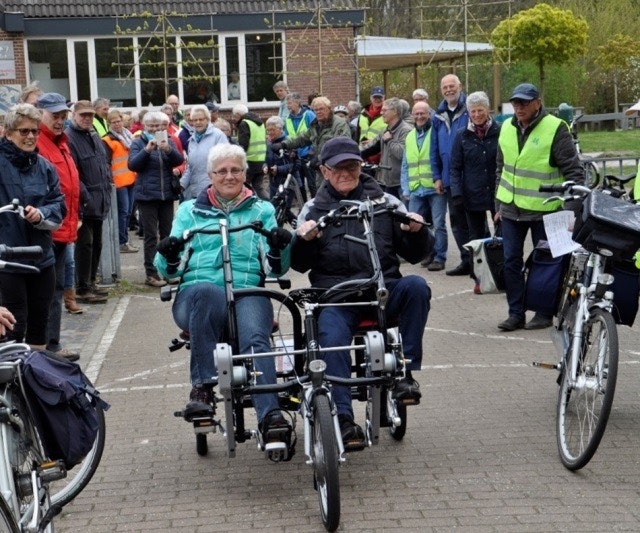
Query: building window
{"x":264,"y":65}
{"x":49,"y":65}
{"x":158,"y":69}
{"x":200,"y":69}
{"x":112,"y":72}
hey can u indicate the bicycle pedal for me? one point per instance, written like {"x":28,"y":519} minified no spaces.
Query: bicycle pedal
{"x":205,"y":424}
{"x":355,"y":445}
{"x":548,"y":366}
{"x":408,"y":401}
{"x":276,"y":451}
{"x":52,"y":471}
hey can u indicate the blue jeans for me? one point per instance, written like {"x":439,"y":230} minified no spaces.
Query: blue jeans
{"x":513,"y":237}
{"x":124,"y":197}
{"x":408,"y":305}
{"x":70,"y":267}
{"x":437,"y":204}
{"x":201,"y":310}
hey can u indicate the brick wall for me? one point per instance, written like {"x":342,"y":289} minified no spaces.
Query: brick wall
{"x":18,"y":50}
{"x":322,"y":61}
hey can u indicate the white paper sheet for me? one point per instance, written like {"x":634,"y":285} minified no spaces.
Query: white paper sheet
{"x":559,"y":226}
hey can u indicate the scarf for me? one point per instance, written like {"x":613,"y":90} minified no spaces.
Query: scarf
{"x":481,"y":130}
{"x":224,"y":204}
{"x":126,"y":137}
{"x":20,"y":159}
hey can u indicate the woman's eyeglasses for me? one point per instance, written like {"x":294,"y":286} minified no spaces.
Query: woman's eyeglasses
{"x":235,"y":172}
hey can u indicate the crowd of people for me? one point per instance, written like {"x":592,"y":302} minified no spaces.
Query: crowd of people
{"x":63,"y":160}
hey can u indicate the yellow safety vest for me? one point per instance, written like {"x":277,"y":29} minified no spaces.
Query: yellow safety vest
{"x":523,"y":172}
{"x":257,"y":151}
{"x":419,"y":166}
{"x":290,"y":128}
{"x":370,"y":130}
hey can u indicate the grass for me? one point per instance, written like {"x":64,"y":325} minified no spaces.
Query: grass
{"x":611,"y":143}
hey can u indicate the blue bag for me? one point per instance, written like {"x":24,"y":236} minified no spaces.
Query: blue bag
{"x":63,"y":402}
{"x":544,"y":275}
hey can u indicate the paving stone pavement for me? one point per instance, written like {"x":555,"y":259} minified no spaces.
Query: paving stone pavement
{"x":479,"y":454}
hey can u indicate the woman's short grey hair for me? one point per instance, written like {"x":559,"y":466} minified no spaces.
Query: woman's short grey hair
{"x":478,"y":99}
{"x":200,"y":108}
{"x":276,"y":122}
{"x":240,"y":110}
{"x":222,"y":152}
{"x":295,"y":97}
{"x":20,"y":112}
{"x":397,"y":105}
{"x":153,"y":116}
{"x":354,"y":106}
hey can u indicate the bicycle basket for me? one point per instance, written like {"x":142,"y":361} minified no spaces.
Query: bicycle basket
{"x":610,"y":223}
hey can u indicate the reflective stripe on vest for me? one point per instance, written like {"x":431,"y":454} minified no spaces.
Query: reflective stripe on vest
{"x":122,"y":176}
{"x":370,"y":130}
{"x":257,"y":151}
{"x":523,"y":172}
{"x":418,"y":163}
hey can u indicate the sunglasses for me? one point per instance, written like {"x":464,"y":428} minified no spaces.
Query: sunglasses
{"x":26,"y":131}
{"x":517,"y":102}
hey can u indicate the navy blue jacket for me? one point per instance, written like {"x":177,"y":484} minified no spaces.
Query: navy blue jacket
{"x":473,"y":168}
{"x":155,"y":170}
{"x":32,"y":180}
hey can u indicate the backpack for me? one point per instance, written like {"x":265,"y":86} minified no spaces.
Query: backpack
{"x":63,"y":401}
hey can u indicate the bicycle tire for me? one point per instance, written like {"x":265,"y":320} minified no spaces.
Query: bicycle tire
{"x":583,"y":410}
{"x":7,"y":521}
{"x":591,"y":175}
{"x":65,"y":490}
{"x":398,"y":432}
{"x":325,"y":462}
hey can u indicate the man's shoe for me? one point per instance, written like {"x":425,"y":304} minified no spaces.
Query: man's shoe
{"x":511,"y":324}
{"x":201,"y":402}
{"x":476,"y":288}
{"x":351,"y":433}
{"x":90,"y":298}
{"x":435,"y":266}
{"x":407,"y":391}
{"x":538,"y":322}
{"x":274,"y":428}
{"x":66,"y":354}
{"x":128,"y":248}
{"x":463,"y":269}
{"x":427,"y":261}
{"x":154,"y":281}
{"x":100,"y":291}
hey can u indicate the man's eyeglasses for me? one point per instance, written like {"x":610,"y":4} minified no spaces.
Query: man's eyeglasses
{"x":235,"y":172}
{"x":26,"y":131}
{"x":517,"y":102}
{"x":348,"y":167}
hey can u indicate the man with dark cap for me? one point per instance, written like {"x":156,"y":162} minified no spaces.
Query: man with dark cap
{"x":52,"y":145}
{"x":534,"y":148}
{"x":331,"y":258}
{"x":371,"y":123}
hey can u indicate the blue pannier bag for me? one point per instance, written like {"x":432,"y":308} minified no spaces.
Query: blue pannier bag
{"x":544,"y":275}
{"x":63,"y":401}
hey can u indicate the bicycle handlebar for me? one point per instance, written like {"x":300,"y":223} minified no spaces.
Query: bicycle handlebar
{"x":13,"y":207}
{"x":20,"y":253}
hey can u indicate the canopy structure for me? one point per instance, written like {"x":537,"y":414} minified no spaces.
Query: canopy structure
{"x":388,"y":53}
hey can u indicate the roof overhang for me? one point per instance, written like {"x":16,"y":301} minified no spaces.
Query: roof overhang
{"x":388,"y":53}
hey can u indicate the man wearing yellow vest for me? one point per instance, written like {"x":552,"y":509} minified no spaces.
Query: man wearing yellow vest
{"x":371,"y":123}
{"x":252,"y":136}
{"x":416,"y":181}
{"x":534,"y":148}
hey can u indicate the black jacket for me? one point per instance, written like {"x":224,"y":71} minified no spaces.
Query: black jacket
{"x":333,"y":259}
{"x":473,"y":168}
{"x":90,"y":155}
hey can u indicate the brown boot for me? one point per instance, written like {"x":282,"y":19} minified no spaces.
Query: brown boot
{"x":70,"y":302}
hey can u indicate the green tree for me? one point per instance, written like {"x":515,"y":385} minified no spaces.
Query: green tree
{"x":543,"y":34}
{"x":617,"y":57}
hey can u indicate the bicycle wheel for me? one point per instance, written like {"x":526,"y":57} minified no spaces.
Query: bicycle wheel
{"x":325,"y":462}
{"x":584,"y":406}
{"x":7,"y":522}
{"x":66,"y":489}
{"x":591,"y":175}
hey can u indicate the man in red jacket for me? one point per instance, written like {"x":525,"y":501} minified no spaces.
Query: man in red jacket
{"x":52,"y":145}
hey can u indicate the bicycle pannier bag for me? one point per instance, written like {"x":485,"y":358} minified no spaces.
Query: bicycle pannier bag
{"x":626,"y":291}
{"x":544,"y":274}
{"x":488,"y":263}
{"x":608,"y":222}
{"x":62,"y":399}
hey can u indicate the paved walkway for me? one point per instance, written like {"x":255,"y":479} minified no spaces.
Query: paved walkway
{"x":479,"y":454}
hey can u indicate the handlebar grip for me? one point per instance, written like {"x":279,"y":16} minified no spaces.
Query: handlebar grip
{"x":20,"y":253}
{"x":556,"y":187}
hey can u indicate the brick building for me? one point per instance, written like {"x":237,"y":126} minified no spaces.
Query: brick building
{"x":110,"y":48}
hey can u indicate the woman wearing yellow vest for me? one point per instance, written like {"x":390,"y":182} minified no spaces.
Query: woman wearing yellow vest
{"x":534,"y":148}
{"x":118,"y":141}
